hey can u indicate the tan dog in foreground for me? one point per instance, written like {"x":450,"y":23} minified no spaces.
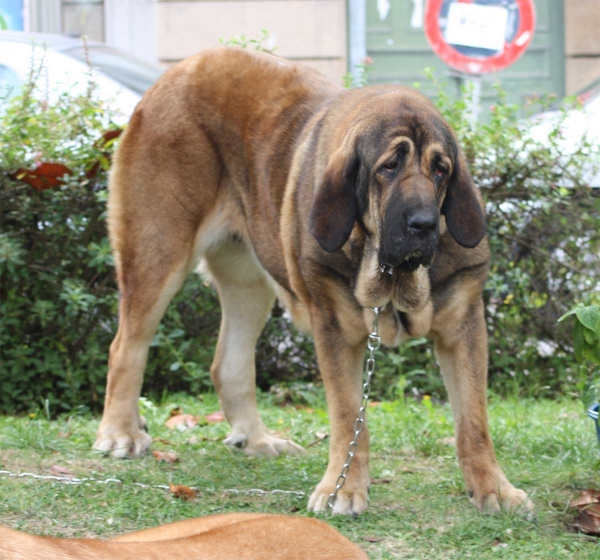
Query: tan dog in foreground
{"x":286,"y":185}
{"x":234,"y":536}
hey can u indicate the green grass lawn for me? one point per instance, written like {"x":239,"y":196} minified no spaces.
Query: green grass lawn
{"x":419,"y":509}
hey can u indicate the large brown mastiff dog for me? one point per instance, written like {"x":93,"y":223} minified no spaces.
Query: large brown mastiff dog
{"x":234,"y":536}
{"x":290,"y":186}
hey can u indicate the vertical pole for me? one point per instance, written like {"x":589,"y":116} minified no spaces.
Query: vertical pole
{"x":357,"y":35}
{"x":473,"y":83}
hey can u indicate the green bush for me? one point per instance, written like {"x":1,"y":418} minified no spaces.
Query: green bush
{"x":544,"y":232}
{"x":58,"y":293}
{"x":58,"y":298}
{"x":586,"y":346}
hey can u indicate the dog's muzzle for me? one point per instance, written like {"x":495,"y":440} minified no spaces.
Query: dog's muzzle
{"x":410,"y":241}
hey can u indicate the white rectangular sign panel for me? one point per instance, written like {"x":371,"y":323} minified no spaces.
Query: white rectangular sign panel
{"x":472,"y":25}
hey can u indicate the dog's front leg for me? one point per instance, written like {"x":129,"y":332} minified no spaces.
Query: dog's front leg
{"x":341,"y":364}
{"x":461,"y":350}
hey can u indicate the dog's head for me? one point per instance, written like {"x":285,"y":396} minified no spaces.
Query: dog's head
{"x":396,"y":167}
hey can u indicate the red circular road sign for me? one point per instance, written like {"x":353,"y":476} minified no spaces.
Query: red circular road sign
{"x":471,"y":38}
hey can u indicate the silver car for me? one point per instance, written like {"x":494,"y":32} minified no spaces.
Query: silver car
{"x":62,"y":64}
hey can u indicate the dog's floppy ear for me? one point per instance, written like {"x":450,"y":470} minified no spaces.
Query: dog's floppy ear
{"x":334,"y":208}
{"x":464,"y":216}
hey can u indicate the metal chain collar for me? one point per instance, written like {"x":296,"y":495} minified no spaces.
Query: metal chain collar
{"x":373,"y":343}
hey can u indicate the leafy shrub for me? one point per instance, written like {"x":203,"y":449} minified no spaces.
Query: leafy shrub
{"x":58,"y":294}
{"x":57,"y":291}
{"x":544,"y":232}
{"x":58,"y":298}
{"x":586,"y":347}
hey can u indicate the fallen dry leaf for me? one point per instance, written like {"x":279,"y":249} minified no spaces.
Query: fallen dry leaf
{"x":589,"y":496}
{"x":215,"y":417}
{"x":162,"y":440}
{"x":57,"y":470}
{"x":194,"y":439}
{"x":320,"y":437}
{"x":182,"y":421}
{"x":183,"y":492}
{"x":381,"y":480}
{"x":166,"y":456}
{"x":374,"y":404}
{"x":447,"y":441}
{"x":594,"y":510}
{"x":175,"y":412}
{"x":588,"y":520}
{"x":587,"y":523}
{"x":372,"y":539}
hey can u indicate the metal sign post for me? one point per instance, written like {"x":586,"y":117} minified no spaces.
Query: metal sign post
{"x":473,"y":82}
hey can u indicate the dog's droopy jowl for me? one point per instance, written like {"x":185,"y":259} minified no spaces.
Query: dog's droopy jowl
{"x":286,"y":185}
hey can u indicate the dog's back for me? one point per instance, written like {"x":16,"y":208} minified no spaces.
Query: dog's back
{"x":217,"y":537}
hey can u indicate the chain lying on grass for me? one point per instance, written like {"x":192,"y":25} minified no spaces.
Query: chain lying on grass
{"x":373,"y":344}
{"x":87,"y":480}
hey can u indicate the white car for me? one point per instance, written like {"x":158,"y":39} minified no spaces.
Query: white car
{"x":120,"y":79}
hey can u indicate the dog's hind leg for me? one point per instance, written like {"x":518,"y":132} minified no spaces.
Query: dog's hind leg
{"x":146,"y":291}
{"x":154,"y":239}
{"x":246,"y":301}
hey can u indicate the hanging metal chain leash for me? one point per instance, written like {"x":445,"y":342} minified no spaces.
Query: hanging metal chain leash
{"x":373,"y":343}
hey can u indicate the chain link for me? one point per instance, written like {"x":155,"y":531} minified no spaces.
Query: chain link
{"x":373,"y":343}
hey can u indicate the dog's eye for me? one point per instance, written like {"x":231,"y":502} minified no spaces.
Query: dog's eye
{"x":439,"y":172}
{"x":391,"y":165}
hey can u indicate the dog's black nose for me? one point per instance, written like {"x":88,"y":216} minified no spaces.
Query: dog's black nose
{"x":422,"y":222}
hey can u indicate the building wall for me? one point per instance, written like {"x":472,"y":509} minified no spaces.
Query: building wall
{"x":308,"y":31}
{"x":83,"y":17}
{"x":311,"y":31}
{"x":582,"y":43}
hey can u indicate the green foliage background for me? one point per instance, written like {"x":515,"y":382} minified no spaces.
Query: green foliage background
{"x":59,"y":301}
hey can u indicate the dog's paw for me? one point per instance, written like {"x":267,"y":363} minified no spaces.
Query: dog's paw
{"x":122,"y":443}
{"x":348,"y":502}
{"x":264,"y":445}
{"x":509,"y":499}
